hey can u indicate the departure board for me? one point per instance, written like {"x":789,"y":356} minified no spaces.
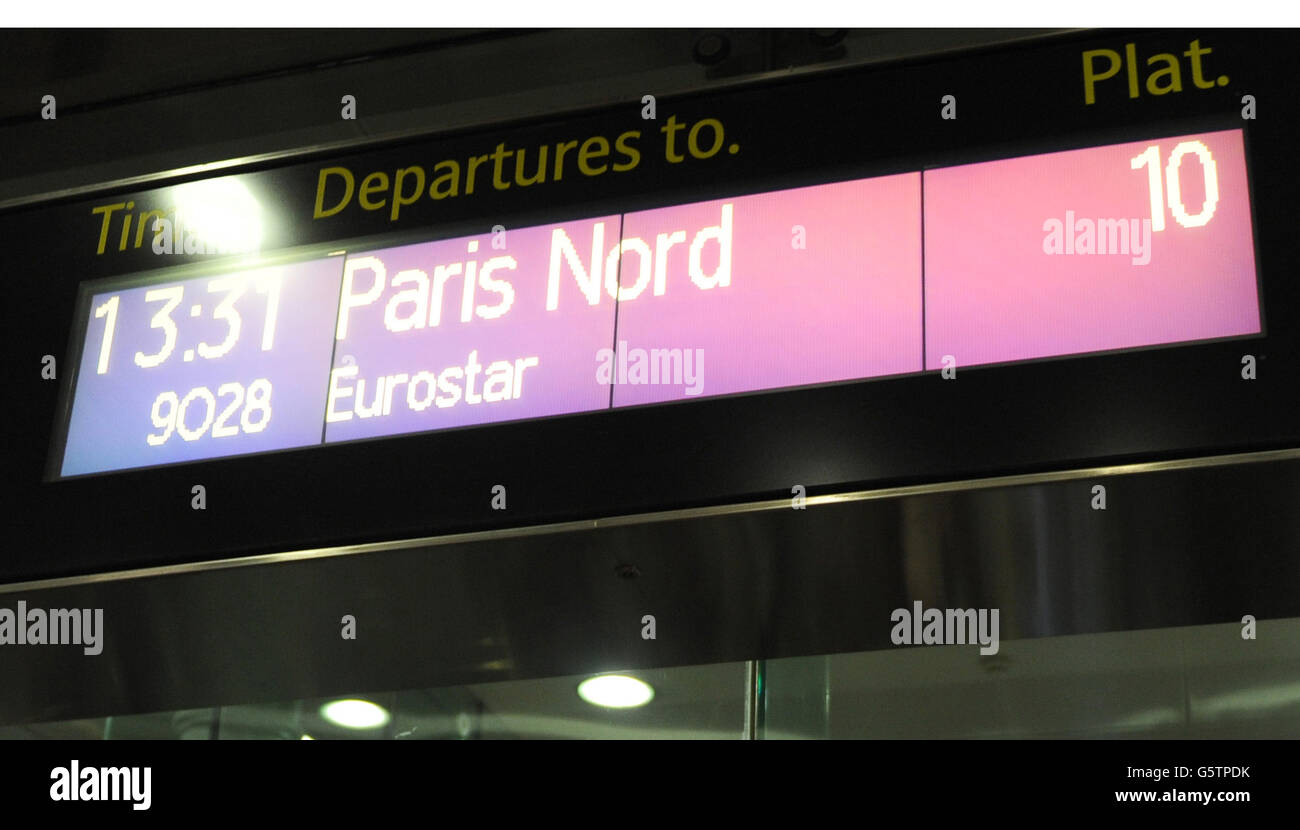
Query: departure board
{"x":1121,"y":246}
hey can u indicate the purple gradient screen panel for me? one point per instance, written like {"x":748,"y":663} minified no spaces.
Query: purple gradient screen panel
{"x":803,"y":286}
{"x":1122,"y":246}
{"x":456,"y":332}
{"x":205,"y":367}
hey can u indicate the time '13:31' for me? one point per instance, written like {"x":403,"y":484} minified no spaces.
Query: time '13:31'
{"x":170,"y":297}
{"x":248,"y":409}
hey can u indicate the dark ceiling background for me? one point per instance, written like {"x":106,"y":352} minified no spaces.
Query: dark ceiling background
{"x":134,"y":103}
{"x":98,"y":67}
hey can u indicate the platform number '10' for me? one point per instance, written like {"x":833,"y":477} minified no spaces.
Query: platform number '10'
{"x":1150,"y":157}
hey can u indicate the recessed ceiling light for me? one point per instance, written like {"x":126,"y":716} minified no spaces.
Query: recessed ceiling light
{"x":355,"y":714}
{"x":615,"y":691}
{"x":219,"y":213}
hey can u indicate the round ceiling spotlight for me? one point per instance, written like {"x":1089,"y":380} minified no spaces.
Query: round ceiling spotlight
{"x":355,"y":714}
{"x":826,"y":38}
{"x":616,"y":691}
{"x":711,"y":49}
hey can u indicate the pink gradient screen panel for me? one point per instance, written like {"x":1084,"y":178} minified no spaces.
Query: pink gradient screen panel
{"x":1050,"y":254}
{"x":458,"y":332}
{"x":803,"y":286}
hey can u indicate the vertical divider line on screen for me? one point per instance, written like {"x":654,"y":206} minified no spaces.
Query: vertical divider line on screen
{"x":618,"y":289}
{"x":334,"y":346}
{"x":923,"y":364}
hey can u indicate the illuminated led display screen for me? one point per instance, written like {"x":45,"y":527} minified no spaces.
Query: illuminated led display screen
{"x":456,"y":332}
{"x":215,"y":366}
{"x":1115,"y":247}
{"x":1112,"y":247}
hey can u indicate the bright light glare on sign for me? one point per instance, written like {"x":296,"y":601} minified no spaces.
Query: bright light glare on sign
{"x":355,"y":714}
{"x":223,"y":213}
{"x":615,"y":691}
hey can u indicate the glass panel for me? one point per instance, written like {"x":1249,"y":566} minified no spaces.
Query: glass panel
{"x":89,"y":729}
{"x":1194,"y":682}
{"x":687,"y":702}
